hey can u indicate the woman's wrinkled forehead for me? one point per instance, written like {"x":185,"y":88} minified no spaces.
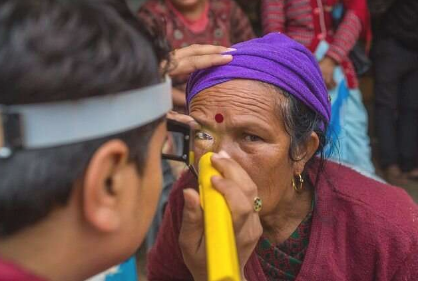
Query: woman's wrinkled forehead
{"x":236,"y":98}
{"x":239,"y":94}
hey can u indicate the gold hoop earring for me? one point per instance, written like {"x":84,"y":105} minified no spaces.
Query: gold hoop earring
{"x":295,"y":186}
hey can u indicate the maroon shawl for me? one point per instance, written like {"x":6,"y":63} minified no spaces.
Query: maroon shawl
{"x":361,"y":230}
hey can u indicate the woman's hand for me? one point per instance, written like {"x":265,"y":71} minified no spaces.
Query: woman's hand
{"x":327,"y":66}
{"x":186,"y":60}
{"x":183,"y":118}
{"x":239,"y":191}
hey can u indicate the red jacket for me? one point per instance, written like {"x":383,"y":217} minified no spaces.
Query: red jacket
{"x":361,"y":230}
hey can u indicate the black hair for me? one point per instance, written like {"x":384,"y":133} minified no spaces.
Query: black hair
{"x":53,"y":50}
{"x":300,"y":122}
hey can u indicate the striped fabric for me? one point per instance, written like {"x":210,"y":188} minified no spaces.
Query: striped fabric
{"x":345,"y":37}
{"x":292,"y":17}
{"x":295,"y":18}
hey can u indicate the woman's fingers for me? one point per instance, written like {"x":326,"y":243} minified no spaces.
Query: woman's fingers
{"x":199,"y":50}
{"x":246,"y":221}
{"x":187,"y":65}
{"x":191,"y":236}
{"x":230,"y":169}
{"x":241,"y":206}
{"x":186,"y":60}
{"x":192,"y":228}
{"x":183,"y":118}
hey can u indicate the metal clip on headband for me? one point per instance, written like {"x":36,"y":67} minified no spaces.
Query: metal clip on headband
{"x":45,"y":125}
{"x":10,"y":133}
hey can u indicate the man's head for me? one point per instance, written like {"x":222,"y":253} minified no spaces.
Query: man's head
{"x":55,"y":50}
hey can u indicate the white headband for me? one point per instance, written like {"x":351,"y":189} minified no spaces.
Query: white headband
{"x":44,"y":125}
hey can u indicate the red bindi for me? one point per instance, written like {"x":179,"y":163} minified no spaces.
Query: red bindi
{"x":219,"y":118}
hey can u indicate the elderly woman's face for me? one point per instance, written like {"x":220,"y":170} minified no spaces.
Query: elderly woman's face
{"x":241,"y":117}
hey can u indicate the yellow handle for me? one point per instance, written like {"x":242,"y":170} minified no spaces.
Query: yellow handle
{"x":222,"y":256}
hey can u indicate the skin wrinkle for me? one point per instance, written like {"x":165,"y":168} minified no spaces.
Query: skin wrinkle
{"x":267,"y":161}
{"x":234,"y":107}
{"x":225,"y":100}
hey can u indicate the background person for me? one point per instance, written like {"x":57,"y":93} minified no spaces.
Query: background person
{"x":395,"y":60}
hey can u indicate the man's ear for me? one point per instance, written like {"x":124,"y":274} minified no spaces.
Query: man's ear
{"x":307,"y":152}
{"x":99,"y":194}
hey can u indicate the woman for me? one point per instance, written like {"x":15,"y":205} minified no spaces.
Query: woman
{"x":187,"y":22}
{"x":330,"y":29}
{"x":267,"y":113}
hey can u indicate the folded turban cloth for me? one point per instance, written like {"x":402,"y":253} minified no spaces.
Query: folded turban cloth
{"x":274,"y":59}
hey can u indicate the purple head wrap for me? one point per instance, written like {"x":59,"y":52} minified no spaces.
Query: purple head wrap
{"x":274,"y":59}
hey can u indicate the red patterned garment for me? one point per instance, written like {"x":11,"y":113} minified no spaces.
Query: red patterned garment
{"x":225,"y":23}
{"x":283,"y":262}
{"x":310,"y":21}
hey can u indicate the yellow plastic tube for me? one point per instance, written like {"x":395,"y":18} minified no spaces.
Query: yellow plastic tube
{"x":222,"y":256}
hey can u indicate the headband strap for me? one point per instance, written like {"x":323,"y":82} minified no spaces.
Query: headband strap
{"x":44,"y":125}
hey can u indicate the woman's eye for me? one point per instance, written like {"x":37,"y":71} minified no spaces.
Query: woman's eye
{"x":203,"y":136}
{"x":252,"y":138}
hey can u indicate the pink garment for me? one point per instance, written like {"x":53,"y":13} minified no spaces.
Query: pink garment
{"x":12,"y":272}
{"x":361,"y":230}
{"x":196,"y":26}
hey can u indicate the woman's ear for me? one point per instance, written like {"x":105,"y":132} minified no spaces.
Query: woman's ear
{"x":99,"y":189}
{"x":307,"y":151}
